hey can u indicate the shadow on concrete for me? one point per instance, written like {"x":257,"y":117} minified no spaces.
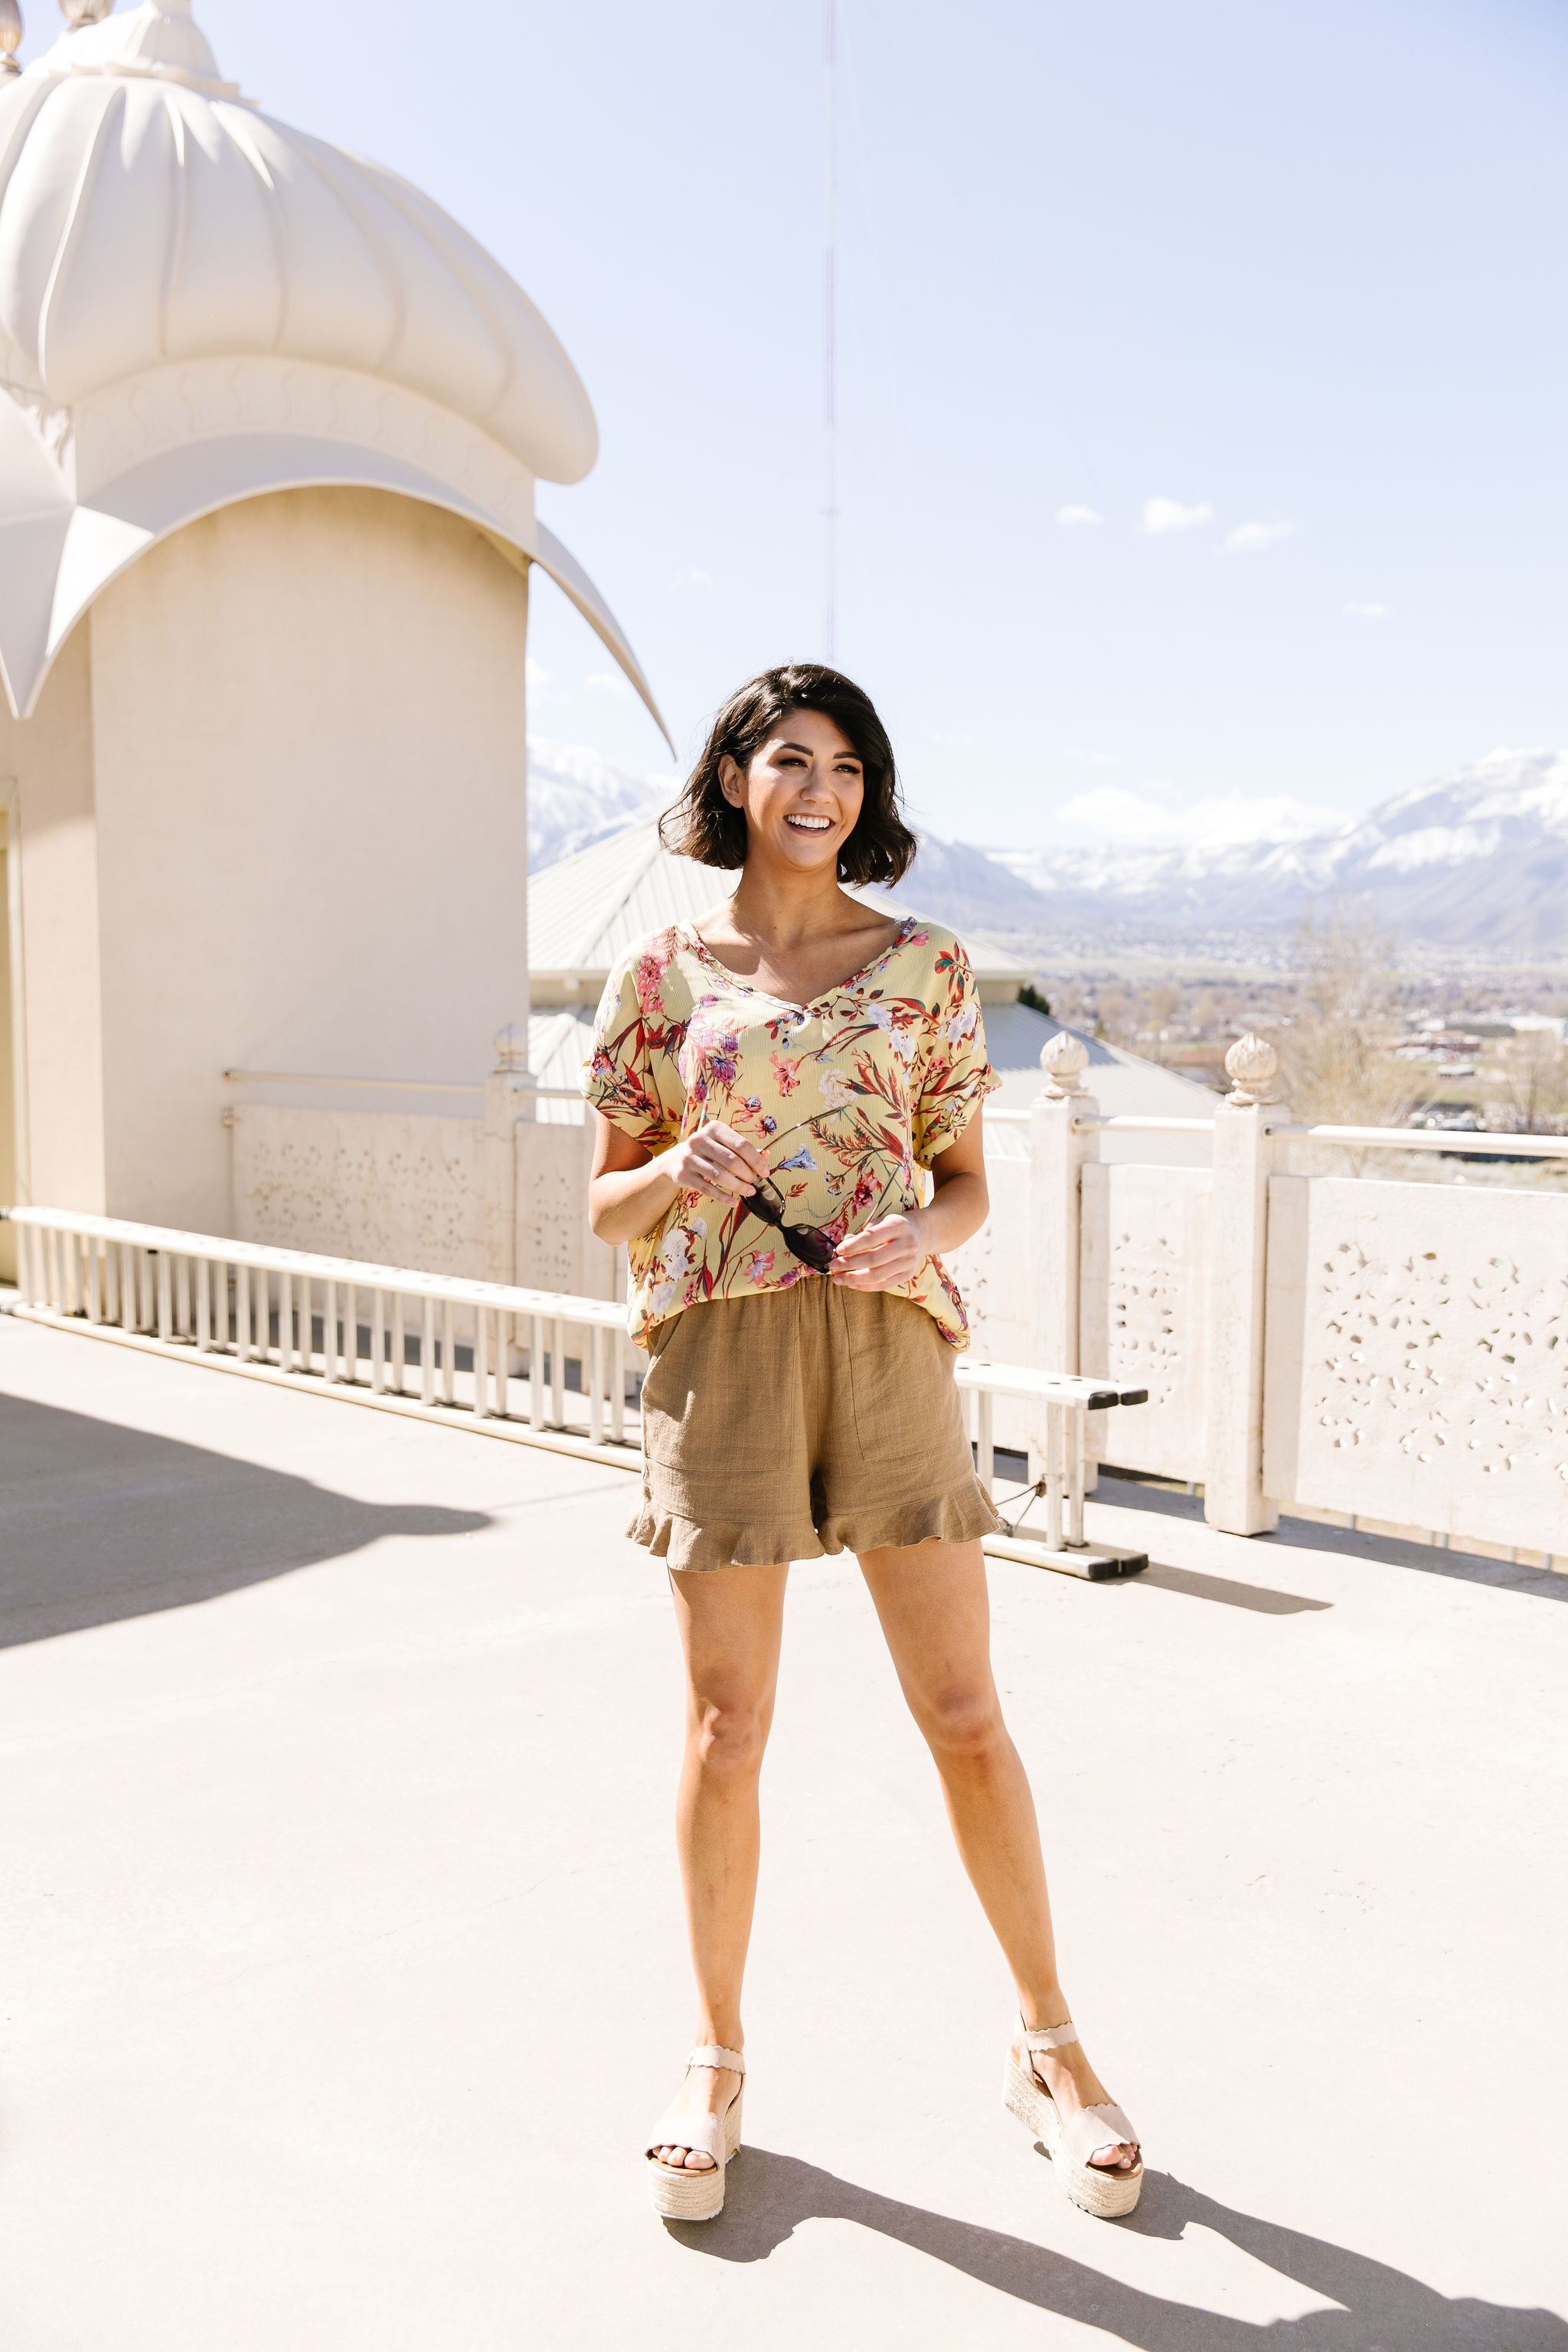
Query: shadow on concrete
{"x":99,"y":1522}
{"x":1129,"y":1494}
{"x":768,"y":2197}
{"x":1266,"y":1598}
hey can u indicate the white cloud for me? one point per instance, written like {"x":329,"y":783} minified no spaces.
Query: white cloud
{"x":1089,"y":759}
{"x":536,"y":677}
{"x":1369,"y":611}
{"x":693,"y":577}
{"x":1252,"y":537}
{"x":608,"y":681}
{"x":1161,"y":515}
{"x":1077,"y":517}
{"x":1109,"y":813}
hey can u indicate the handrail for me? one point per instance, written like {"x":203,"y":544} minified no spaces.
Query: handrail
{"x":393,"y":1085}
{"x":217,"y":1250}
{"x":1134,"y":1122}
{"x":1385,"y":1138}
{"x":338,"y":1327}
{"x":1431,"y":1139}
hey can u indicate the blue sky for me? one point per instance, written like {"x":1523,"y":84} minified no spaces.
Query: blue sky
{"x":1293,"y":272}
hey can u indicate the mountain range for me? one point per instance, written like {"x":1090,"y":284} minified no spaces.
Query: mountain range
{"x":1477,"y":859}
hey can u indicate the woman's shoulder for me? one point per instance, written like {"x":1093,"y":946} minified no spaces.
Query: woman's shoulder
{"x":655,"y":971}
{"x":942,"y":948}
{"x":652,"y":951}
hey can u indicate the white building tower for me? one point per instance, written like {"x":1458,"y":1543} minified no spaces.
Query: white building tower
{"x":271,"y":424}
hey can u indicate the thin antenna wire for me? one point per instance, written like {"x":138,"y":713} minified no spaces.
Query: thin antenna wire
{"x":830,"y":335}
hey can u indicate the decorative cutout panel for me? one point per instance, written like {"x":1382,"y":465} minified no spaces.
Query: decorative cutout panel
{"x":390,"y":1187}
{"x":1417,"y":1357}
{"x":1145,"y":1241}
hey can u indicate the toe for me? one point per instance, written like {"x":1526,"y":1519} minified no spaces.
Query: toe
{"x":698,"y":2160}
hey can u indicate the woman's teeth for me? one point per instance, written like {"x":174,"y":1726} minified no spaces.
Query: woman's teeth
{"x":810,"y":824}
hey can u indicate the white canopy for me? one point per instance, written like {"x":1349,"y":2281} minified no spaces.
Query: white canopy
{"x":199,"y":305}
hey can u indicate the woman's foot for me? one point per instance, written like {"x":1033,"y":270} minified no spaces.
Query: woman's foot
{"x":1072,"y":2083}
{"x":706,"y":2091}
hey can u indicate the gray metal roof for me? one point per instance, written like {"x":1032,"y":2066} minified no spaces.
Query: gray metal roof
{"x":588,"y":909}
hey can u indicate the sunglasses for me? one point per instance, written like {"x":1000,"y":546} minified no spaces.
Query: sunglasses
{"x":808,"y":1242}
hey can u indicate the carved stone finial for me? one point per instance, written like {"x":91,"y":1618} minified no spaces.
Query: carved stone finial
{"x":1064,"y":1059}
{"x":10,"y":39}
{"x":511,"y":1049}
{"x":1252,"y":1066}
{"x":78,"y":13}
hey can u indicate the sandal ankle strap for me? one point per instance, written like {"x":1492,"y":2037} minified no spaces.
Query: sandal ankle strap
{"x":1049,"y":2037}
{"x":713,"y":2053}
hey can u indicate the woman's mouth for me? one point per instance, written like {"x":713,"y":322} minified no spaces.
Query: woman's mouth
{"x":801,"y":823}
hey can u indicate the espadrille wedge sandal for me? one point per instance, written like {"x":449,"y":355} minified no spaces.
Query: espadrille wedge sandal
{"x":677,"y":2193}
{"x":1070,"y":2141}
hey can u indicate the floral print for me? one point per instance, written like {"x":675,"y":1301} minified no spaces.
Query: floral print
{"x":861,"y":1087}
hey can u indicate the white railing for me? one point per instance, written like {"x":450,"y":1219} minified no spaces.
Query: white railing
{"x":484,"y":1355}
{"x":1369,"y":1346}
{"x":524,"y":1086}
{"x":1459,"y":1141}
{"x":484,"y":1352}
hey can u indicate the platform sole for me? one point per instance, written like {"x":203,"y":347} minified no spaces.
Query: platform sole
{"x":680,"y":2196}
{"x":1108,"y":2195}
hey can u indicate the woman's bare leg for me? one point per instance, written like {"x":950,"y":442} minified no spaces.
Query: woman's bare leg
{"x":730,"y":1622}
{"x":935,"y":1611}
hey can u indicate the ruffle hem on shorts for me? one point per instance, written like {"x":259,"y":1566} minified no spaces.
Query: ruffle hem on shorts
{"x":957,"y":1515}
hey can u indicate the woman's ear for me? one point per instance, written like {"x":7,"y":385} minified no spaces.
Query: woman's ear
{"x":732,"y":782}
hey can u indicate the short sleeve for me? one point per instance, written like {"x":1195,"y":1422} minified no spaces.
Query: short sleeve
{"x":631,"y":1072}
{"x":954,"y":1075}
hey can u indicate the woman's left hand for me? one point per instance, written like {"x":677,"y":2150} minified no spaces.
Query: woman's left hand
{"x":880,"y":1257}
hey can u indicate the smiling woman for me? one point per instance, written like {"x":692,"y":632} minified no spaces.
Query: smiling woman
{"x":708,"y":823}
{"x":767,"y":1082}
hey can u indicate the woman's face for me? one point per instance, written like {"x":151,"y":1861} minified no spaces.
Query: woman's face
{"x":802,"y":792}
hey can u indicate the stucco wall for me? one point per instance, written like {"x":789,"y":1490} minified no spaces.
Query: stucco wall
{"x":47,"y":762}
{"x":308,"y":714}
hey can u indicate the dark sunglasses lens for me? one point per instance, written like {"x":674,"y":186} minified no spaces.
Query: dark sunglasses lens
{"x":812,"y":1248}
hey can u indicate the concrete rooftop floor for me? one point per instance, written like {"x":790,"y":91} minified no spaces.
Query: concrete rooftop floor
{"x":344,"y":1961}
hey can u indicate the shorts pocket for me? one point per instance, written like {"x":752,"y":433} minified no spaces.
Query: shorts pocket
{"x":666,"y":1401}
{"x":906,"y":1407}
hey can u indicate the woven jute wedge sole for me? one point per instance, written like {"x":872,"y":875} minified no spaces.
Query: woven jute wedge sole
{"x":1092,"y":2186}
{"x":681,"y":2196}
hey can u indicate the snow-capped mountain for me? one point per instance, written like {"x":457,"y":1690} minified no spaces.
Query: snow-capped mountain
{"x":576,"y":798}
{"x":1480,"y":858}
{"x":1477,"y":859}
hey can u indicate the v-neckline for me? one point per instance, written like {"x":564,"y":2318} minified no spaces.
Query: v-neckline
{"x":797,"y":1005}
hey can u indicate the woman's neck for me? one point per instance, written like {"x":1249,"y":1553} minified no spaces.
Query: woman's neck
{"x":789,"y":909}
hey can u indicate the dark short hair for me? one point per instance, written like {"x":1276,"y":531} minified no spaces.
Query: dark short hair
{"x":703,"y":824}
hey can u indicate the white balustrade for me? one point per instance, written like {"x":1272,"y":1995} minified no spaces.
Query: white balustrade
{"x":478,"y":1352}
{"x":487,"y":1356}
{"x":1377,"y":1348}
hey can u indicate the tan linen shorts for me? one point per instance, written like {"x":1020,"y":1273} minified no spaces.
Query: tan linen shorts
{"x":788,"y":1423}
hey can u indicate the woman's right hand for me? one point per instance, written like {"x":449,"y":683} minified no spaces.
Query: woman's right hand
{"x":714,"y":1158}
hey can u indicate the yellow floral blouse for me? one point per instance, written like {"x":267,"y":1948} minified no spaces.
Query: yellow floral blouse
{"x":844,"y":1096}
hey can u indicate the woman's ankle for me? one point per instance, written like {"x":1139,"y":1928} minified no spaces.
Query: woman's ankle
{"x":711,"y":2037}
{"x":1043,"y":2009}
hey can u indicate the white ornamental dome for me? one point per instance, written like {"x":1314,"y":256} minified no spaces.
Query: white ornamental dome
{"x":148,"y":215}
{"x":198,"y":303}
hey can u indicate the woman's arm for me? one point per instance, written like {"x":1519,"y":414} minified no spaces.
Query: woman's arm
{"x":886,"y":1253}
{"x":630,"y":1189}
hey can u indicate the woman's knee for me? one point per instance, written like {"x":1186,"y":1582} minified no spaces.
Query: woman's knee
{"x":962,"y":1723}
{"x":729,"y":1735}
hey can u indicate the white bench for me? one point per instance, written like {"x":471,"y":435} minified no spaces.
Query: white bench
{"x":1057,"y":1473}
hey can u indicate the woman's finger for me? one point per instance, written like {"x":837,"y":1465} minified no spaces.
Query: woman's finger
{"x":725,"y":1164}
{"x":744,"y":1148}
{"x":871,"y":1241}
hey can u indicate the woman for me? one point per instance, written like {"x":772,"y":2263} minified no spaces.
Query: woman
{"x":765,"y":1083}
